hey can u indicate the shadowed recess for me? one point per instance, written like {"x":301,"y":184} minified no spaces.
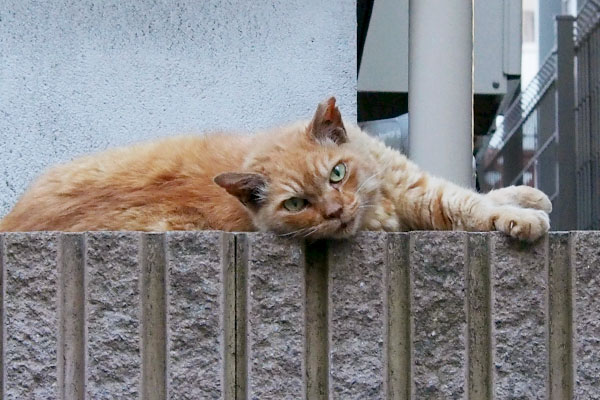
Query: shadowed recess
{"x":479,"y":318}
{"x":154,"y":317}
{"x":398,"y":316}
{"x":241,"y":282}
{"x":317,"y":346}
{"x":2,"y":330}
{"x":560,"y":318}
{"x":71,"y":311}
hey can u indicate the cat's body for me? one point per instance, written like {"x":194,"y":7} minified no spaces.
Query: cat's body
{"x":322,"y":178}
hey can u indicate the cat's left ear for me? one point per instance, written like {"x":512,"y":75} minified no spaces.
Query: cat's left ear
{"x":327,"y":123}
{"x":249,"y":188}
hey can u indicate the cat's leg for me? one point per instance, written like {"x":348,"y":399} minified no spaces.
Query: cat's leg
{"x":522,"y":196}
{"x":433,"y":203}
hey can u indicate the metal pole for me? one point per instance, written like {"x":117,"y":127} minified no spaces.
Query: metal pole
{"x":440,"y":84}
{"x":566,"y":202}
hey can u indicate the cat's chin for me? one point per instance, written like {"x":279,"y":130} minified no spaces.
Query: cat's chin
{"x":332,"y":229}
{"x":342,"y":230}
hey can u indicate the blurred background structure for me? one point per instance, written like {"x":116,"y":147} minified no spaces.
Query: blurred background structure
{"x":536,"y":88}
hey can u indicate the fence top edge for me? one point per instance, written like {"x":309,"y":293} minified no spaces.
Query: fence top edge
{"x":215,"y":233}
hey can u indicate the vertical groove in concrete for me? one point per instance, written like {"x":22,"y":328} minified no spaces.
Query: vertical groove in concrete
{"x":71,"y":314}
{"x":241,"y":316}
{"x":479,"y":318}
{"x":586,"y":271}
{"x":357,"y":317}
{"x":31,"y":323}
{"x":113,"y":315}
{"x":196,"y":336}
{"x":153,"y":324}
{"x":559,"y":318}
{"x":398,"y":318}
{"x":275,"y":310}
{"x":519,"y":325}
{"x":2,"y":322}
{"x":317,"y":347}
{"x":438,"y":264}
{"x":228,"y":270}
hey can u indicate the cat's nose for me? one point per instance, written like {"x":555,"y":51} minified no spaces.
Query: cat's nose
{"x":333,"y":210}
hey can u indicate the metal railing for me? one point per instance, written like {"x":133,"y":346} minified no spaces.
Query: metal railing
{"x":549,"y":137}
{"x":587,"y":111}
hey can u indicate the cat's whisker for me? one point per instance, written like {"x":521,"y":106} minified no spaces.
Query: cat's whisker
{"x":298,"y":232}
{"x":313,"y":230}
{"x":374,"y":175}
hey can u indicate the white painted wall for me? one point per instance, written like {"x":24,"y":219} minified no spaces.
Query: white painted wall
{"x":80,"y":76}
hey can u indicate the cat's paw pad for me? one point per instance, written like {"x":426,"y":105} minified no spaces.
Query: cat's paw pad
{"x":522,"y":196}
{"x":523,"y":224}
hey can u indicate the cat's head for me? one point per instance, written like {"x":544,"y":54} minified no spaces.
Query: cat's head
{"x":307,"y":180}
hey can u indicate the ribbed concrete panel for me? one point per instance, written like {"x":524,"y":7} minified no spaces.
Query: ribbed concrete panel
{"x":114,"y":363}
{"x":519,"y":323}
{"x":357,"y":317}
{"x":274,"y":317}
{"x":430,"y":315}
{"x":30,"y":316}
{"x":438,"y":263}
{"x":586,"y":295}
{"x":196,"y":315}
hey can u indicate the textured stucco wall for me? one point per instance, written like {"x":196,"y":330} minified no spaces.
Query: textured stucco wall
{"x":78,"y":76}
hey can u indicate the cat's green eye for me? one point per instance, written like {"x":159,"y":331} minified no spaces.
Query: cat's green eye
{"x":294,"y":204}
{"x":337,"y":173}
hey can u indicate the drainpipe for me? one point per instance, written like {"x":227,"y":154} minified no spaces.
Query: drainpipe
{"x":440,"y":85}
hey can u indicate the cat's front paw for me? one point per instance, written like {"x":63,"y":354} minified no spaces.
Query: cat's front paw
{"x":522,"y":196}
{"x":521,"y":223}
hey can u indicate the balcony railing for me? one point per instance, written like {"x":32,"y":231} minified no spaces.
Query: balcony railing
{"x":549,"y":137}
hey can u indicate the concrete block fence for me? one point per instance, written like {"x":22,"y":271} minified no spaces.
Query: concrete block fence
{"x":211,"y":315}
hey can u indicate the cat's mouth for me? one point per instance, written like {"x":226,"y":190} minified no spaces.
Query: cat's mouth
{"x":345,"y":228}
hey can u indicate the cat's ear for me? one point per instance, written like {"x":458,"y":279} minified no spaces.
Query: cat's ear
{"x":327,"y":123}
{"x":249,"y":188}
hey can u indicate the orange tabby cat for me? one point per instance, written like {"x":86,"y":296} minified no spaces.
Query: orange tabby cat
{"x":323,"y":178}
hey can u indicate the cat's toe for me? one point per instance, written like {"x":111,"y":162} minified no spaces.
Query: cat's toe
{"x":545,"y":204}
{"x":523,"y":224}
{"x":534,"y":198}
{"x":522,"y":196}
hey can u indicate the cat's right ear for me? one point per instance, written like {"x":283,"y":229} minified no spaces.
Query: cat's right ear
{"x":327,"y":123}
{"x":249,"y":188}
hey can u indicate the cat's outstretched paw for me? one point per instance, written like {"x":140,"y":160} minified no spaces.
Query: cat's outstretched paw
{"x":521,"y":196}
{"x":521,"y":223}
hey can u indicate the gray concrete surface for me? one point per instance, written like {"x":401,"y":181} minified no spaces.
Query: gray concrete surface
{"x":80,"y":76}
{"x":438,"y":264}
{"x":218,"y":315}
